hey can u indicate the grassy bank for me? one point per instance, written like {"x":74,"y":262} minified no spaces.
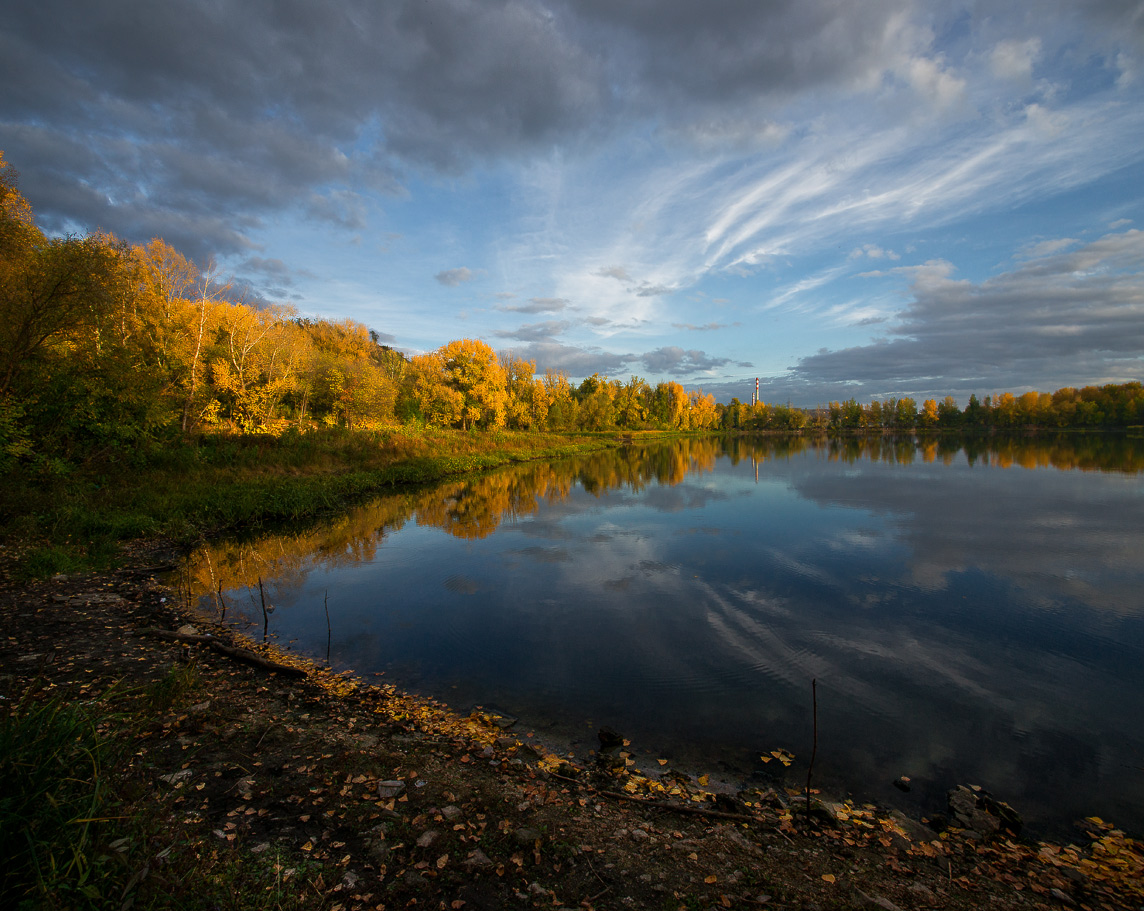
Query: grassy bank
{"x":77,"y":517}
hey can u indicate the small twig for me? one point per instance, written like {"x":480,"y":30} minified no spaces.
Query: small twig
{"x":265,"y":616}
{"x":814,"y":750}
{"x":329,"y":630}
{"x":222,"y":616}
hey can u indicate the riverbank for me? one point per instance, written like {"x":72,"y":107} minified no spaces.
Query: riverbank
{"x":59,"y":517}
{"x":210,"y":781}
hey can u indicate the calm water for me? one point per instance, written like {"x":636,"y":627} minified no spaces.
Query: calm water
{"x":973,"y":613}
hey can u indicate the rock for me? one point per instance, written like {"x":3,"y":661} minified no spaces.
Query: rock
{"x":427,"y":838}
{"x":877,"y":901}
{"x":389,"y":789}
{"x":978,"y":812}
{"x":914,"y":830}
{"x":187,"y":630}
{"x":902,"y":783}
{"x":413,"y":878}
{"x":526,"y":836}
{"x":379,"y":850}
{"x":609,"y":739}
{"x":488,"y":753}
{"x":504,"y":722}
{"x":639,"y":835}
{"x":60,"y":577}
{"x":477,"y":860}
{"x":451,"y":812}
{"x":1061,"y":897}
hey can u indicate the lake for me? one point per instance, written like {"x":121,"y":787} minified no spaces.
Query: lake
{"x":972,"y":610}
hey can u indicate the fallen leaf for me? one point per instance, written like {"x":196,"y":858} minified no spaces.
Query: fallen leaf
{"x":828,"y":878}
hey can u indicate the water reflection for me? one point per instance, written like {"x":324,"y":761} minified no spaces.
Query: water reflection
{"x":970,"y":609}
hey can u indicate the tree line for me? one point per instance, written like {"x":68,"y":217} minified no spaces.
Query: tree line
{"x":105,"y":345}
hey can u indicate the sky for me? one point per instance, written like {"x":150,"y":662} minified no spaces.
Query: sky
{"x":841,"y":198}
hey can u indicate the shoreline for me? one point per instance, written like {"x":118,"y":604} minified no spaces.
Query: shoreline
{"x":374,"y":798}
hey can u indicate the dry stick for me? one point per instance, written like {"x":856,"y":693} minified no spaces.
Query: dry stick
{"x":814,"y":751}
{"x":239,"y":654}
{"x":222,"y":616}
{"x":265,"y":616}
{"x":329,"y":631}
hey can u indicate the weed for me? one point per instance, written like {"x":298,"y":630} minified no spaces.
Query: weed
{"x":55,"y":797}
{"x":164,"y":694}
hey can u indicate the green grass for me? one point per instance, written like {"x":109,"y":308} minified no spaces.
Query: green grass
{"x":56,"y":799}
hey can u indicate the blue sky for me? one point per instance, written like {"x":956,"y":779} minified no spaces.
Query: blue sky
{"x":869,"y":199}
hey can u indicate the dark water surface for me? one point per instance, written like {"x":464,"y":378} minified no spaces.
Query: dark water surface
{"x":972,"y":612}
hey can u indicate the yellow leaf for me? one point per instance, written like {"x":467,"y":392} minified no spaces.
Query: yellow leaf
{"x":703,"y":779}
{"x":662,"y":761}
{"x":828,"y":877}
{"x":711,"y":879}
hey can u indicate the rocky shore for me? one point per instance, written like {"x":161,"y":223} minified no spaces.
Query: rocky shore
{"x":263,"y":781}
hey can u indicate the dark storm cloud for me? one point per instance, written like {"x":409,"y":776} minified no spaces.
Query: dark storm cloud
{"x":198,"y":120}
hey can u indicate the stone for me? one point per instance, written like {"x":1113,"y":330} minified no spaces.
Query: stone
{"x":877,"y":901}
{"x":915,"y":831}
{"x":526,"y":836}
{"x":982,"y":816}
{"x":187,"y":630}
{"x":413,"y":878}
{"x":902,"y":783}
{"x":609,"y":739}
{"x":477,"y":860}
{"x":451,"y":812}
{"x":639,"y":835}
{"x":427,"y":838}
{"x":389,"y":789}
{"x":379,"y":850}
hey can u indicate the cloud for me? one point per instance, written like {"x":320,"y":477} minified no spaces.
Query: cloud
{"x":576,"y":362}
{"x":709,"y":327}
{"x":649,"y":290}
{"x":538,"y":305}
{"x":617,"y":272}
{"x":1014,"y":59}
{"x":674,"y":361}
{"x":453,"y":277}
{"x":873,"y":251}
{"x":1064,"y":317}
{"x":536,"y":332}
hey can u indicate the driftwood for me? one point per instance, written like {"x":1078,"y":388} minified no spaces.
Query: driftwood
{"x":239,"y":654}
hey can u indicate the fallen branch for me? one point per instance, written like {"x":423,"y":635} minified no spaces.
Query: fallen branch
{"x":238,"y":654}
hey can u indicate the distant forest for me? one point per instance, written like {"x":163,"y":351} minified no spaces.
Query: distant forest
{"x":105,"y":346}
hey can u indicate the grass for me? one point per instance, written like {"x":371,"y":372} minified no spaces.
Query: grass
{"x":71,"y":837}
{"x":52,"y":761}
{"x":202,"y":486}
